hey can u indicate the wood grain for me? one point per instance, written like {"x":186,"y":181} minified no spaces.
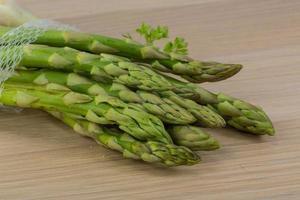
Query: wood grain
{"x":40,"y":158}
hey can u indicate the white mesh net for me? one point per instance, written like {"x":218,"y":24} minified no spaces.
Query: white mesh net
{"x":12,"y":43}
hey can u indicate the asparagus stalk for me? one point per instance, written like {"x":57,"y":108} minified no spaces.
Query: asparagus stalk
{"x":179,"y":62}
{"x":237,"y":113}
{"x":193,"y":137}
{"x":104,"y":67}
{"x":203,"y":113}
{"x":182,"y":112}
{"x":101,"y":109}
{"x":195,"y":71}
{"x":150,"y":151}
{"x":164,"y":109}
{"x":101,"y":67}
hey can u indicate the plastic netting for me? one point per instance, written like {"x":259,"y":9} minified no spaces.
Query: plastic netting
{"x":12,"y":43}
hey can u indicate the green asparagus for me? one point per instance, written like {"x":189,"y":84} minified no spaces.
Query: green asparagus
{"x":203,"y":113}
{"x":192,"y":70}
{"x":115,"y":91}
{"x":246,"y":117}
{"x":178,"y":61}
{"x":150,"y":151}
{"x":114,"y":68}
{"x":193,"y":137}
{"x":237,"y":113}
{"x":101,"y":109}
{"x":206,"y":71}
{"x":164,"y":109}
{"x":102,"y":67}
{"x":55,"y":80}
{"x":171,"y":109}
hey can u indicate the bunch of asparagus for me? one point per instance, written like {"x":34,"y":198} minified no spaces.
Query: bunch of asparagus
{"x":118,"y":92}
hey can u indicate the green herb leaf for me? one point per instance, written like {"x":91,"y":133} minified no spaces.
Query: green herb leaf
{"x":179,"y":46}
{"x":152,"y":34}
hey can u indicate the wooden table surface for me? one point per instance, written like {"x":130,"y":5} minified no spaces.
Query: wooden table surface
{"x":41,"y":159}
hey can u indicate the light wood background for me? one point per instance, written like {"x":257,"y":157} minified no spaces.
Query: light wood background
{"x":40,"y":158}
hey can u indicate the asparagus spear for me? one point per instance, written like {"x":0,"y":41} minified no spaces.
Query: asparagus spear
{"x":205,"y":71}
{"x":202,"y":112}
{"x":202,"y":140}
{"x":193,"y":137}
{"x":237,"y":113}
{"x":164,"y":109}
{"x":182,"y":134}
{"x":150,"y":151}
{"x":179,"y":62}
{"x":102,"y":67}
{"x":181,"y":112}
{"x":108,"y":67}
{"x":192,"y":70}
{"x":101,"y":109}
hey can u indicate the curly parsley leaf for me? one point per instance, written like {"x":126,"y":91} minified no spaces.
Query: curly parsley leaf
{"x":178,"y":46}
{"x":152,"y":34}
